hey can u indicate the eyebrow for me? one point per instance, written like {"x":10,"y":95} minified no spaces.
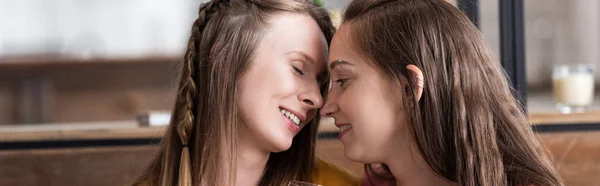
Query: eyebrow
{"x":308,"y":58}
{"x":338,"y":63}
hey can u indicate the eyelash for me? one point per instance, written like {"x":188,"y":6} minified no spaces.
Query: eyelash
{"x":319,"y":82}
{"x":342,"y":82}
{"x":298,"y":70}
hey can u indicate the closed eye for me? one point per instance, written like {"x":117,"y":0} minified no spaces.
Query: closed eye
{"x":298,"y":70}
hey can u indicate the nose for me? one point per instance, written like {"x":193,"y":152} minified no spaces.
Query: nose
{"x":312,"y":98}
{"x":330,"y":106}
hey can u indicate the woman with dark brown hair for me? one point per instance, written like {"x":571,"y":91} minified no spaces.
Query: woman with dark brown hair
{"x":250,"y":87}
{"x":416,"y":90}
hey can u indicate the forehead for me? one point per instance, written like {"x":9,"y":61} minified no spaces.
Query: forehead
{"x":295,"y":32}
{"x":341,"y":46}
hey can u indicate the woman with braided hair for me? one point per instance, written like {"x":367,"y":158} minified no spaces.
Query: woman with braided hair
{"x":251,"y":83}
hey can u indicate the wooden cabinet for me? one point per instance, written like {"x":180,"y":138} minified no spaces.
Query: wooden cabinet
{"x":69,"y":90}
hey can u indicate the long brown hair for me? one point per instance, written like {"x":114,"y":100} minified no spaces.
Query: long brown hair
{"x":468,"y":126}
{"x":199,"y":146}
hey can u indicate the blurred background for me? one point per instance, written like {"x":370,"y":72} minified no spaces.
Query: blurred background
{"x":86,"y":85}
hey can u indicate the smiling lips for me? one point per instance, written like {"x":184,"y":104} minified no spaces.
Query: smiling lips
{"x":344,"y":128}
{"x":291,"y":116}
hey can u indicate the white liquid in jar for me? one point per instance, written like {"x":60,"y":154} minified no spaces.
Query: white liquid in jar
{"x":574,"y":89}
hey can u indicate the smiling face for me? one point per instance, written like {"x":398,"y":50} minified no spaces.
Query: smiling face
{"x":280,"y":92}
{"x":366,"y":104}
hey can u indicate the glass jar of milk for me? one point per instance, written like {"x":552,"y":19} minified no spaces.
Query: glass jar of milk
{"x":573,"y":87}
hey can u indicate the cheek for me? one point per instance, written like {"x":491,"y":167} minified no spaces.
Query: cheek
{"x":255,"y":93}
{"x":375,"y":118}
{"x":278,"y":79}
{"x":269,"y":80}
{"x":262,"y":89}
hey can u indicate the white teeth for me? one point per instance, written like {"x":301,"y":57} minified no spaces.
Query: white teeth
{"x":345,"y":127}
{"x":291,"y":116}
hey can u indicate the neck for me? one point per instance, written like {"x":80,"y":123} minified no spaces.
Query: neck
{"x":251,"y":161}
{"x":409,"y":168}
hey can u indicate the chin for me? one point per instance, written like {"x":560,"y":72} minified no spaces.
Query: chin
{"x":354,"y":154}
{"x":282,"y":147}
{"x":281,"y":144}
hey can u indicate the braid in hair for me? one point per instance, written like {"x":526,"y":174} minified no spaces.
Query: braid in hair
{"x":188,"y":92}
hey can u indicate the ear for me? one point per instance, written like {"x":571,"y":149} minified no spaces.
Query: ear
{"x":418,"y":81}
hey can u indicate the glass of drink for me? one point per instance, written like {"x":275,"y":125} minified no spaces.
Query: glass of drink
{"x":573,"y":87}
{"x":301,"y":183}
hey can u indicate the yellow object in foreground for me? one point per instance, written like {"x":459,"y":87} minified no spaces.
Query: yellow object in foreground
{"x":327,"y":174}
